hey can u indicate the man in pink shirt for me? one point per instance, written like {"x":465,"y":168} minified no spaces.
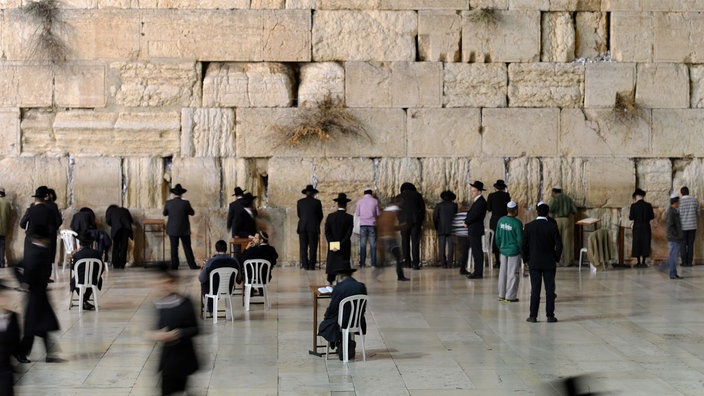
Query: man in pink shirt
{"x":367,"y":211}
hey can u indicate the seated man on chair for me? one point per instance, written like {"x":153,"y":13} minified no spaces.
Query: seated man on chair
{"x":86,"y":251}
{"x":329,"y":328}
{"x":219,"y":260}
{"x":259,"y":249}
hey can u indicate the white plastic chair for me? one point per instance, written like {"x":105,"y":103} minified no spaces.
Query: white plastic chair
{"x":70,"y":244}
{"x":487,"y":243}
{"x":224,"y":275}
{"x":254,"y":271}
{"x":91,"y":266}
{"x":357,"y":305}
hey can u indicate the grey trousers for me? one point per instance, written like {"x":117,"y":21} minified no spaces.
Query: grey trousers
{"x":509,"y":276}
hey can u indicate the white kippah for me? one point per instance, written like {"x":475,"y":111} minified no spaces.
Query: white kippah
{"x":557,"y":187}
{"x":540,"y":203}
{"x":511,"y":205}
{"x":673,"y":195}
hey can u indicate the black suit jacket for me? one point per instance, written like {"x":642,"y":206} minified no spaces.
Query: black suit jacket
{"x":542,"y":246}
{"x":329,"y":328}
{"x":412,"y":208}
{"x":475,"y":217}
{"x":338,"y":228}
{"x":496,"y":204}
{"x":83,"y":254}
{"x":245,"y":225}
{"x":83,"y":221}
{"x":443,"y":214}
{"x":39,"y":215}
{"x":310,"y":215}
{"x":233,"y":212}
{"x":119,"y":219}
{"x":178,"y":223}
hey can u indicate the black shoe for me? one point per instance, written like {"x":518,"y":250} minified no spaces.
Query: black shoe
{"x":55,"y":359}
{"x":51,"y":281}
{"x":502,"y":299}
{"x":88,"y":306}
{"x":464,"y":272}
{"x":552,"y":319}
{"x":686,"y":265}
{"x":532,"y":319}
{"x":676,"y":277}
{"x":513,"y":300}
{"x":22,"y":359}
{"x":474,"y":276}
{"x":404,"y":279}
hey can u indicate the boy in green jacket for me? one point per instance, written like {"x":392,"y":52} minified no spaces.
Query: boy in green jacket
{"x":509,"y":233}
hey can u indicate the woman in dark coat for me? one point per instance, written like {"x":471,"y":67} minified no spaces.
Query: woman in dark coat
{"x":641,"y":213}
{"x":338,"y":230}
{"x":176,"y":327}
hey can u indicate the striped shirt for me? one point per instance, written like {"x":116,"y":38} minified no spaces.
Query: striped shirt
{"x":458,"y":228}
{"x":562,"y":206}
{"x":689,"y":212}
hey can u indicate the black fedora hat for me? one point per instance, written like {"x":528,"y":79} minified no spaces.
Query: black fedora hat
{"x":248,"y":198}
{"x":238,"y":192}
{"x":500,"y":184}
{"x":448,"y":195}
{"x":342,"y":198}
{"x":478,"y":185}
{"x":41,"y":192}
{"x":309,"y":188}
{"x":638,"y":191}
{"x":178,"y":190}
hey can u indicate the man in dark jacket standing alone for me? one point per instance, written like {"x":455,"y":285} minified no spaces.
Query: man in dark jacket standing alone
{"x":120,"y":221}
{"x":178,"y":226}
{"x":675,"y":236}
{"x":443,"y":214}
{"x":475,"y":228}
{"x":411,"y":218}
{"x":542,"y":248}
{"x":310,"y":215}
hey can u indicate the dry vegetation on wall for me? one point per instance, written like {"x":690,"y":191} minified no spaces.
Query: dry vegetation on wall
{"x":486,"y":16}
{"x":625,"y":106}
{"x":322,"y":122}
{"x":47,"y":43}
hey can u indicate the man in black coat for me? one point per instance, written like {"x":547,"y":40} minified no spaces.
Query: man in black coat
{"x":346,"y":286}
{"x":178,"y":226}
{"x":219,"y":260}
{"x":40,"y":215}
{"x":496,"y":204}
{"x":411,"y":218}
{"x":310,"y":215}
{"x":86,"y":251}
{"x":475,"y":228}
{"x":120,"y":221}
{"x":443,"y":214}
{"x":541,"y":249}
{"x":260,"y":249}
{"x":338,"y":232}
{"x":233,"y":211}
{"x":84,"y":220}
{"x":245,"y":224}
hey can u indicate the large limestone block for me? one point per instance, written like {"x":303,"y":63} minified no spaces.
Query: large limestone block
{"x":80,"y":85}
{"x":696,"y":80}
{"x":257,"y":135}
{"x":187,"y":4}
{"x":597,"y":133}
{"x":600,"y":189}
{"x":491,"y":4}
{"x":287,"y":177}
{"x":392,"y":172}
{"x":424,"y":4}
{"x":444,"y":132}
{"x":232,"y":35}
{"x":22,"y":175}
{"x":303,"y":4}
{"x":654,"y":176}
{"x":558,"y":37}
{"x":689,"y":172}
{"x":514,"y":38}
{"x":144,"y":182}
{"x":591,"y":34}
{"x":439,"y":35}
{"x":604,"y":80}
{"x":440,"y":174}
{"x":207,"y":132}
{"x":569,"y":173}
{"x":487,"y":170}
{"x":632,"y":36}
{"x":350,"y":4}
{"x":155,"y":84}
{"x":97,"y":181}
{"x":395,"y":84}
{"x":342,"y":175}
{"x":267,"y":4}
{"x":25,"y":85}
{"x":542,"y":5}
{"x":670,"y":5}
{"x":677,"y":37}
{"x":662,"y":85}
{"x":677,"y":132}
{"x":575,"y":5}
{"x":10,"y":132}
{"x":475,"y":85}
{"x":201,"y":176}
{"x":248,"y":85}
{"x":524,"y":181}
{"x":364,"y":36}
{"x":546,"y":85}
{"x":519,"y":132}
{"x":36,"y":132}
{"x":319,"y":80}
{"x":111,"y":134}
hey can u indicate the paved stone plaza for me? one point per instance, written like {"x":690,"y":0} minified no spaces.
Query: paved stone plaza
{"x":636,"y":331}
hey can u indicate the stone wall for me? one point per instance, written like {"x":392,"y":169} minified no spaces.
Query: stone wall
{"x":196,"y":92}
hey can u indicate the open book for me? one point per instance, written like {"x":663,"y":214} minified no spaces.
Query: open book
{"x":325,"y":289}
{"x":335,"y":246}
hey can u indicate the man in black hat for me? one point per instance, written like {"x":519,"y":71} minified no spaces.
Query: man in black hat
{"x":310,"y":215}
{"x":496,"y":204}
{"x":120,"y":221}
{"x":411,"y":218}
{"x":245,"y":225}
{"x":641,"y":213}
{"x":40,"y":215}
{"x":475,"y":228}
{"x":443,"y":214}
{"x":178,"y":226}
{"x":338,"y":232}
{"x":233,"y":211}
{"x":86,"y":251}
{"x":346,"y":286}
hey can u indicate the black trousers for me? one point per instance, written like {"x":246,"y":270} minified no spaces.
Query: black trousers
{"x":687,"y":250}
{"x":446,"y":243}
{"x":410,"y":244}
{"x":475,"y":243}
{"x":186,"y":239}
{"x":308,"y":247}
{"x":537,"y":277}
{"x":463,"y":241}
{"x":119,"y":249}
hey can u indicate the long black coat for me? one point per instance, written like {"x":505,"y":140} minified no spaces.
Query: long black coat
{"x":496,"y":204}
{"x":245,"y":225}
{"x":119,"y":219}
{"x":39,"y":316}
{"x":329,"y":328}
{"x":412,"y":208}
{"x":475,"y":217}
{"x":233,"y":213}
{"x":310,"y":215}
{"x":178,"y":358}
{"x":83,"y":221}
{"x":178,"y":223}
{"x":338,"y":228}
{"x":39,"y":215}
{"x":541,"y":246}
{"x":641,"y":213}
{"x":443,"y":214}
